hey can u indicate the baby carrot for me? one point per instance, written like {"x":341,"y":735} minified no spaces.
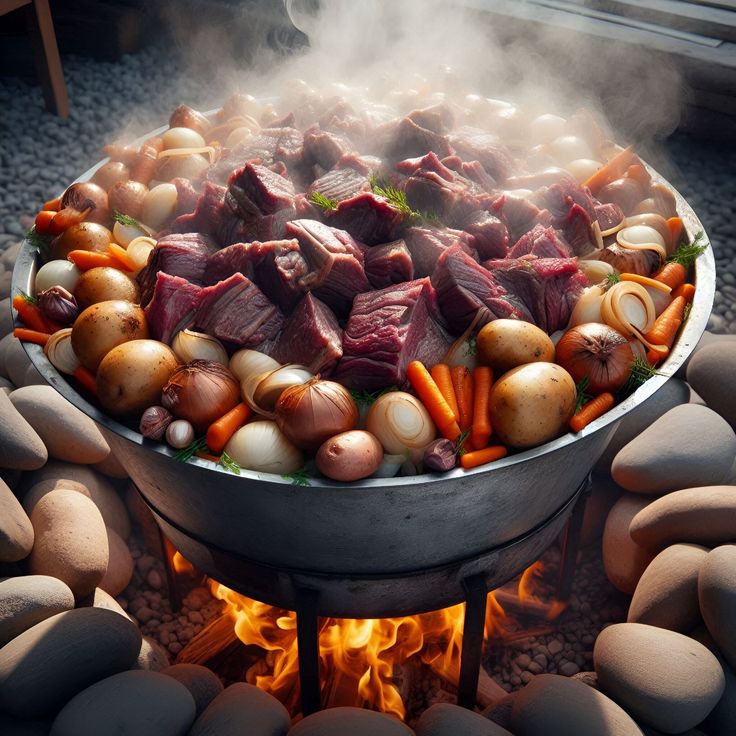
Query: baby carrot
{"x":43,"y":220}
{"x":86,"y":259}
{"x":462,"y":382}
{"x":481,"y":457}
{"x":53,"y":205}
{"x":666,"y":325}
{"x":480,"y":431}
{"x":225,"y":427}
{"x":86,"y":379}
{"x":441,"y":375}
{"x":672,"y":273}
{"x":119,"y":254}
{"x":591,"y":410}
{"x":654,"y":356}
{"x":676,"y":227}
{"x":613,"y":169}
{"x":31,"y":316}
{"x":433,"y":400}
{"x":686,"y":290}
{"x":26,"y":335}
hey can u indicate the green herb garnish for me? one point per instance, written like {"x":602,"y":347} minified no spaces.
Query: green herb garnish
{"x":229,"y":464}
{"x":298,"y":477}
{"x":127,"y":221}
{"x":641,"y":372}
{"x":365,"y":398}
{"x":687,"y":253}
{"x":471,"y":346}
{"x":28,"y":298}
{"x":41,"y":243}
{"x":613,"y":278}
{"x":686,"y":312}
{"x":583,"y":397}
{"x":460,"y":443}
{"x":395,"y":197}
{"x":324,"y":202}
{"x":199,"y":445}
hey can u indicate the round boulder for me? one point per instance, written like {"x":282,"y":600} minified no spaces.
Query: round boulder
{"x":101,"y":599}
{"x":135,"y":703}
{"x":667,"y":593}
{"x":706,"y":372}
{"x":705,"y":515}
{"x":16,"y":531}
{"x":443,"y":719}
{"x":152,"y":656}
{"x":554,"y":705}
{"x":120,"y":565}
{"x":20,"y":447}
{"x":662,"y":678}
{"x":353,"y":721}
{"x":665,"y":458}
{"x":48,"y":664}
{"x":202,"y":683}
{"x":717,"y":593}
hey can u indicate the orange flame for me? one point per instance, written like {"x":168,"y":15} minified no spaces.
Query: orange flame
{"x":181,"y":565}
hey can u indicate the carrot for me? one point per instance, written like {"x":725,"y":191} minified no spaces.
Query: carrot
{"x":672,"y":273}
{"x":225,"y":427}
{"x":433,"y":400}
{"x":613,"y":169}
{"x":86,"y":259}
{"x":676,"y":227}
{"x":86,"y":379}
{"x":666,"y":325}
{"x":645,"y":281}
{"x":591,"y":410}
{"x":119,"y":254}
{"x":481,"y":457}
{"x":654,"y":356}
{"x":686,"y":290}
{"x":53,"y":204}
{"x":147,"y":160}
{"x":480,"y":431}
{"x":206,"y":456}
{"x":67,"y":217}
{"x":462,"y":382}
{"x":26,"y":335}
{"x":43,"y":220}
{"x":441,"y":375}
{"x":637,"y":172}
{"x":32,"y":316}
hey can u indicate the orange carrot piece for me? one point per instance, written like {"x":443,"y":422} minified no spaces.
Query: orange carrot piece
{"x":53,"y":204}
{"x":480,"y":431}
{"x":441,"y":375}
{"x":206,"y":456}
{"x":666,"y":325}
{"x":645,"y":281}
{"x":613,"y":169}
{"x":147,"y":160}
{"x":686,"y":290}
{"x":67,"y":217}
{"x":638,"y":172}
{"x":672,"y":273}
{"x":26,"y":335}
{"x":42,"y":223}
{"x":481,"y":457}
{"x":462,"y":382}
{"x":118,"y":253}
{"x":31,"y":315}
{"x":676,"y":227}
{"x":654,"y":356}
{"x":86,"y":259}
{"x":591,"y":410}
{"x":86,"y":379}
{"x":225,"y":427}
{"x":433,"y":400}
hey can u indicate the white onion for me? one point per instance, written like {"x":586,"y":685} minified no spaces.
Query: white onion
{"x":642,"y":237}
{"x":189,"y":345}
{"x":583,"y":168}
{"x":262,"y":446}
{"x":596,"y":270}
{"x":546,"y":128}
{"x":401,"y":422}
{"x":60,"y":352}
{"x":139,"y":250}
{"x":568,"y":148}
{"x":124,"y":234}
{"x":57,"y":273}
{"x":159,"y":205}
{"x":182,"y":138}
{"x":390,"y":466}
{"x":246,"y":363}
{"x":588,"y":307}
{"x":238,"y":135}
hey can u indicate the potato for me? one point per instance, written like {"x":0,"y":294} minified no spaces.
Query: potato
{"x":83,"y":236}
{"x":131,"y":376}
{"x":101,"y":327}
{"x":103,"y":284}
{"x":349,"y":456}
{"x":532,"y":404}
{"x":505,"y":343}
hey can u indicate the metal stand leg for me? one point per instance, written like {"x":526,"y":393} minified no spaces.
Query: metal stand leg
{"x":571,"y":544}
{"x":307,"y":636}
{"x":172,"y":579}
{"x":476,"y":595}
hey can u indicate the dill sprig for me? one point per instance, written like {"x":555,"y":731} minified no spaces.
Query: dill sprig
{"x":366,"y":398}
{"x":613,"y":279}
{"x":395,"y":197}
{"x":41,"y":243}
{"x":687,"y":253}
{"x":28,"y":298}
{"x":229,"y":464}
{"x":471,"y":346}
{"x":460,"y":443}
{"x":641,"y":372}
{"x":298,"y":477}
{"x":127,"y":221}
{"x":322,"y":201}
{"x":583,"y":397}
{"x":686,"y":312}
{"x":199,"y":445}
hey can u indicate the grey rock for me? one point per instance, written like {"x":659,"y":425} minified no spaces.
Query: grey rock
{"x":717,"y":594}
{"x":202,"y":683}
{"x":443,"y":719}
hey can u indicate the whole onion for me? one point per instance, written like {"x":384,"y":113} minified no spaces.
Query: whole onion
{"x":599,"y":352}
{"x":87,"y":195}
{"x":310,"y":413}
{"x":201,"y":392}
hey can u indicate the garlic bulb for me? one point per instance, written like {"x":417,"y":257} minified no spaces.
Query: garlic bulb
{"x":246,"y":363}
{"x":264,"y":447}
{"x":189,"y":345}
{"x":180,"y":433}
{"x":60,"y":352}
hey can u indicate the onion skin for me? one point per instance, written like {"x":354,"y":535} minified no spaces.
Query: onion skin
{"x":201,"y":392}
{"x":87,"y":195}
{"x":310,"y":413}
{"x":598,"y":352}
{"x":127,"y":198}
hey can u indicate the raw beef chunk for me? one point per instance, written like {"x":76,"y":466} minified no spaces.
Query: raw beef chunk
{"x":388,"y":264}
{"x":173,"y":306}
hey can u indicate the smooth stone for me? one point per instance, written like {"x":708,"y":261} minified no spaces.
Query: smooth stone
{"x":202,"y":682}
{"x":707,"y":338}
{"x":16,"y":362}
{"x":152,"y":656}
{"x":673,"y":393}
{"x":98,"y":487}
{"x":667,"y":592}
{"x":354,"y":721}
{"x":48,"y":664}
{"x":16,"y":531}
{"x":101,"y":599}
{"x":67,"y":433}
{"x":135,"y":703}
{"x":603,"y":495}
{"x":443,"y":719}
{"x":6,"y":317}
{"x":71,"y":541}
{"x":689,"y":446}
{"x":5,"y":342}
{"x":27,"y":600}
{"x":706,"y":373}
{"x":243,"y":704}
{"x":624,"y":560}
{"x":111,"y":466}
{"x":33,"y":378}
{"x":554,"y":705}
{"x":705,"y":515}
{"x":6,"y":385}
{"x":10,"y":726}
{"x":120,"y":565}
{"x":20,"y":447}
{"x":662,"y":678}
{"x":717,"y":594}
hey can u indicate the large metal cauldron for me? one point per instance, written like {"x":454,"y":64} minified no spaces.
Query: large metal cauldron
{"x":384,"y":528}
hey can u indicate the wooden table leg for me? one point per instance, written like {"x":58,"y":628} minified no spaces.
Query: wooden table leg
{"x":46,"y":55}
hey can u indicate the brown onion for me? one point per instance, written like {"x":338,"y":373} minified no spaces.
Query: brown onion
{"x":310,"y":413}
{"x":127,"y":198}
{"x":110,"y":174}
{"x":598,"y":352}
{"x":187,"y":117}
{"x":86,"y":195}
{"x":201,"y":392}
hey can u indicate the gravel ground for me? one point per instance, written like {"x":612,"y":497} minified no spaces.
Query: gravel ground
{"x":40,"y":153}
